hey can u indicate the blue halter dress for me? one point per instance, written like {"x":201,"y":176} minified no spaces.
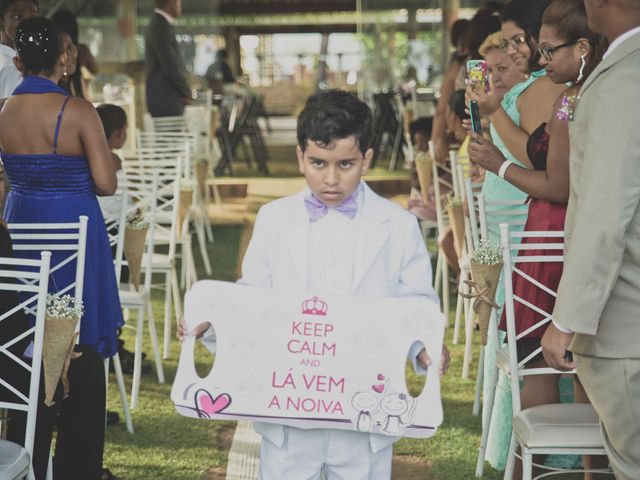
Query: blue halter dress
{"x":54,"y":188}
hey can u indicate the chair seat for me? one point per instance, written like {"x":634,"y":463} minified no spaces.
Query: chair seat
{"x":129,"y":298}
{"x":560,"y":425}
{"x":160,"y":261}
{"x":14,"y":460}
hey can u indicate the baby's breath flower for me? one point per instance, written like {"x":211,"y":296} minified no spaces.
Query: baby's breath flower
{"x":186,"y":184}
{"x":487,"y":253}
{"x":136,"y":221}
{"x":64,"y":306}
{"x":454,"y":201}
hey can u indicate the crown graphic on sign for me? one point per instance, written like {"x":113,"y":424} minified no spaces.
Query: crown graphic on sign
{"x":314,"y":306}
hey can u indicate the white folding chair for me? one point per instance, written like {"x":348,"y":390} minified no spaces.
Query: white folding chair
{"x":69,"y":246}
{"x":491,"y":213}
{"x":441,"y":278}
{"x":32,"y":277}
{"x":561,"y":429}
{"x":169,"y":172}
{"x":176,"y":123}
{"x":163,"y":142}
{"x":138,"y":193}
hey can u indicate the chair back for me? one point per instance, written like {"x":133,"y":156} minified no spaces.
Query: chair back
{"x":441,"y":185}
{"x":492,"y":213}
{"x":66,"y":241}
{"x":165,"y":124}
{"x":30,"y":278}
{"x":547,"y":249}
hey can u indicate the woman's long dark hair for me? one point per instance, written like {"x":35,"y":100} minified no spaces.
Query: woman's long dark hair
{"x":66,"y":21}
{"x":527,"y":14}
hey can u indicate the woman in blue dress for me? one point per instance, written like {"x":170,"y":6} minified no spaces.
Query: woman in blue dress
{"x":57,"y":159}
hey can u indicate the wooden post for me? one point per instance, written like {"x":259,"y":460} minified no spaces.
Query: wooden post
{"x":449,"y":15}
{"x":126,"y":13}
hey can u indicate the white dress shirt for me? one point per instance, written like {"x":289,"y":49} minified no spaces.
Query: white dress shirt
{"x":167,"y":17}
{"x":6,"y":55}
{"x":10,"y":78}
{"x":332,"y":241}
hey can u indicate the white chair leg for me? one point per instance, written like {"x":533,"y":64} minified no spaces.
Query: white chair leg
{"x":177,"y":299}
{"x":445,"y":290}
{"x":202,"y":242}
{"x":479,"y":380}
{"x":527,"y":466}
{"x":123,"y":394}
{"x":468,"y":340}
{"x":438,"y":275}
{"x":511,"y":458}
{"x":460,"y":305}
{"x":137,"y":359}
{"x":167,"y":315}
{"x":49,"y":470}
{"x":183,"y":263}
{"x":154,"y":342}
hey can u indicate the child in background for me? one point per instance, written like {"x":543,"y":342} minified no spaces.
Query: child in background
{"x":114,"y":121}
{"x":320,"y":239}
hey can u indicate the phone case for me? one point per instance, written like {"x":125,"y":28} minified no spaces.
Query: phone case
{"x":477,"y":73}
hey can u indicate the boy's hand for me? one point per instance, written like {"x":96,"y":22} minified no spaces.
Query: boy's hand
{"x":445,"y":359}
{"x":197,"y":332}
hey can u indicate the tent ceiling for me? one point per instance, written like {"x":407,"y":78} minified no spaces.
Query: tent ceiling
{"x":247,"y":7}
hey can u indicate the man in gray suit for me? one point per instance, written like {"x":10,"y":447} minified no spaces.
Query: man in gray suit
{"x":167,"y":88}
{"x":597,"y":312}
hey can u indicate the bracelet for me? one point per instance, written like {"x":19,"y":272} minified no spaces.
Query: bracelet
{"x":503,"y":168}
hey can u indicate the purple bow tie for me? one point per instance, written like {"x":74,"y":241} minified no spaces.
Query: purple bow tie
{"x":317,"y":209}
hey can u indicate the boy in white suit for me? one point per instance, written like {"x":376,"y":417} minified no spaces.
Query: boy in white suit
{"x":337,"y":236}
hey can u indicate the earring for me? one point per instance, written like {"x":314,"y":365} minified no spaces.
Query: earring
{"x":583,"y":63}
{"x":66,"y":71}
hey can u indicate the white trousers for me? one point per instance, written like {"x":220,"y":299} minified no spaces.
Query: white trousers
{"x":339,"y":454}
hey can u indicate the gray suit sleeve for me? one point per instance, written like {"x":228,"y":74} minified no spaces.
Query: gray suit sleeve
{"x":603,"y":205}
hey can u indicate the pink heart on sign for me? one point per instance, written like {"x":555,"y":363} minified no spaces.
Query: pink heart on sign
{"x":378,"y":388}
{"x":209,"y":405}
{"x":380,"y":377}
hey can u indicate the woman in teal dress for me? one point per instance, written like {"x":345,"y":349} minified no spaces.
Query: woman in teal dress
{"x":520,"y":112}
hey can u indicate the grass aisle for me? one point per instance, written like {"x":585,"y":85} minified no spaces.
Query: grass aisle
{"x":168,"y":446}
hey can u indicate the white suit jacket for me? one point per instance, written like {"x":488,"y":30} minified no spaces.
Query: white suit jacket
{"x":391,"y":261}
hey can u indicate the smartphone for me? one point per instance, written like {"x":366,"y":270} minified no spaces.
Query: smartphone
{"x":474,"y":112}
{"x":478,"y":74}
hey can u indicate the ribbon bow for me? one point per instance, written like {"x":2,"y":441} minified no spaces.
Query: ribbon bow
{"x":480,"y":294}
{"x":317,"y":209}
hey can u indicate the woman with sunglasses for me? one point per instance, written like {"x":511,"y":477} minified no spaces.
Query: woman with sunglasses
{"x":569,"y":51}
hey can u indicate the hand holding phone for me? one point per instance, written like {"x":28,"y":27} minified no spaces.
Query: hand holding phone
{"x":474,"y":112}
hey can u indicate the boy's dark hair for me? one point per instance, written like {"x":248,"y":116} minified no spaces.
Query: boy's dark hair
{"x":422,"y":124}
{"x":457,"y":103}
{"x":39,"y":45}
{"x":333,"y":115}
{"x":5,"y":4}
{"x":113,"y":118}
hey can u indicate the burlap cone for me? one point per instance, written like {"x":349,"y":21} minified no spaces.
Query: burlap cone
{"x":185,"y":204}
{"x":134,"y":240}
{"x":456,"y":220}
{"x":424,"y":169}
{"x":201,"y":177}
{"x":484,"y":285}
{"x":58,"y":342}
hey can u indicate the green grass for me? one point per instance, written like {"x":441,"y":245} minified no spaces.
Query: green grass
{"x":169,"y":446}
